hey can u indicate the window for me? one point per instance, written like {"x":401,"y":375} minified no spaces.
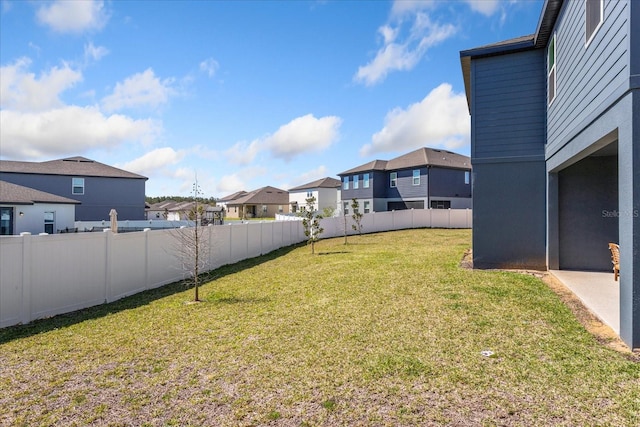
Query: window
{"x":440,"y":204}
{"x":416,"y":177}
{"x":366,"y":206}
{"x":49,"y":221}
{"x":594,"y":13}
{"x":264,"y":208}
{"x":6,"y":221}
{"x":356,"y":181}
{"x":345,"y":183}
{"x":309,"y":194}
{"x":551,"y":70}
{"x":393,"y":179}
{"x":467,"y":177}
{"x":77,"y":185}
{"x":365,"y":180}
{"x":346,"y":208}
{"x":280,"y":209}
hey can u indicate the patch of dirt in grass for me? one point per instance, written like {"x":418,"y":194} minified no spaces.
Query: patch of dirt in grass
{"x":602,"y":332}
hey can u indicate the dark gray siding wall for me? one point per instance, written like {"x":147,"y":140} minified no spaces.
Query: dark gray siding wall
{"x":380,"y":183}
{"x":448,"y":183}
{"x":125,"y":195}
{"x":405,"y":188}
{"x":359,"y":193}
{"x":509,"y":228}
{"x":507,"y":153}
{"x":508,"y":117}
{"x":589,"y":78}
{"x":588,"y":213}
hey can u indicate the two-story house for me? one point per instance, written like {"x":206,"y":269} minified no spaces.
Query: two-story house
{"x":324,"y":191}
{"x":98,"y":187}
{"x":422,"y":179}
{"x":555,"y":145}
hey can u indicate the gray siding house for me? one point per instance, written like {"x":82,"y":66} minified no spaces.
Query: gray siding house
{"x":98,"y":187}
{"x":422,"y":179}
{"x":555,"y":139}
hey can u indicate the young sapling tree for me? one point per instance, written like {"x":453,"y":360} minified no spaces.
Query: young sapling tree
{"x":311,"y":223}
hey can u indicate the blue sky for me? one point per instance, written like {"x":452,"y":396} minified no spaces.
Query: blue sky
{"x":242,"y":94}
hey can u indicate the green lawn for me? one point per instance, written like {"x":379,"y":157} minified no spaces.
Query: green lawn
{"x":387,"y":330}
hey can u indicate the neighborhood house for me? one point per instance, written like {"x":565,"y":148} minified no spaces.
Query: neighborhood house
{"x":97,"y":188}
{"x":424,"y":178}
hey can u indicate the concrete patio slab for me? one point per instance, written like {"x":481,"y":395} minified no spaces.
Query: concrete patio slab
{"x":599,"y":292}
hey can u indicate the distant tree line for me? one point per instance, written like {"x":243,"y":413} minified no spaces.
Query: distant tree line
{"x":207,"y":200}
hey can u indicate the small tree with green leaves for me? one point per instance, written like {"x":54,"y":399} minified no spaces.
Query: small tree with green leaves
{"x":356,"y":216}
{"x":311,"y":223}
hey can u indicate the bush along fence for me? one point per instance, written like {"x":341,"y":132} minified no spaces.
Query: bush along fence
{"x":46,"y":275}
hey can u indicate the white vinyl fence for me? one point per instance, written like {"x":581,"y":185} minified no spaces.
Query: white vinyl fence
{"x":45,"y":275}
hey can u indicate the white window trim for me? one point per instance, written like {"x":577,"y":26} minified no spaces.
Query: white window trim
{"x":73,"y":187}
{"x":365,"y":182}
{"x":356,"y":182}
{"x":413,"y":177}
{"x":554,"y":40}
{"x":345,"y":183}
{"x":595,"y":31}
{"x":393,"y":182}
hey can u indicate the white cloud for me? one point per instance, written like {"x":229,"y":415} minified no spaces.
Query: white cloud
{"x":140,"y":90}
{"x":209,"y":66}
{"x":67,"y":16}
{"x":401,"y":54}
{"x":441,"y":119}
{"x":68,"y":130}
{"x":94,"y":53}
{"x":312,"y":175}
{"x":485,"y":7}
{"x":21,"y":90}
{"x":154,"y":161}
{"x":229,"y":184}
{"x":242,"y":153}
{"x":302,"y":135}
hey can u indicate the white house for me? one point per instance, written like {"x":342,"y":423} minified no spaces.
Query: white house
{"x":324,"y":190}
{"x":23,"y":209}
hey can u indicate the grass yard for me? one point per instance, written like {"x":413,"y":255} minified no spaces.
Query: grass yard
{"x":387,"y":330}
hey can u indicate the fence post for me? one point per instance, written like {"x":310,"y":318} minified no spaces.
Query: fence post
{"x":108,"y":261}
{"x":25,"y":312}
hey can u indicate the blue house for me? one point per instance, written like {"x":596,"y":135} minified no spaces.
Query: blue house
{"x":97,"y":187}
{"x":424,"y":178}
{"x":555,"y":145}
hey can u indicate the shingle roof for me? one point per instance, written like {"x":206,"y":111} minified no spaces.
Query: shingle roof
{"x":233,"y":196}
{"x":430,"y":157}
{"x":319,"y":183}
{"x":376,"y":165}
{"x":263,"y":196}
{"x":421,"y":157}
{"x":76,"y":166}
{"x":20,"y":195}
{"x":173,"y":206}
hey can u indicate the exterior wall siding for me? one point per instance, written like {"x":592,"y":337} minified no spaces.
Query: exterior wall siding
{"x":448,"y":183}
{"x":589,"y":78}
{"x":405,"y":188}
{"x":507,"y":152}
{"x":508,"y":111}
